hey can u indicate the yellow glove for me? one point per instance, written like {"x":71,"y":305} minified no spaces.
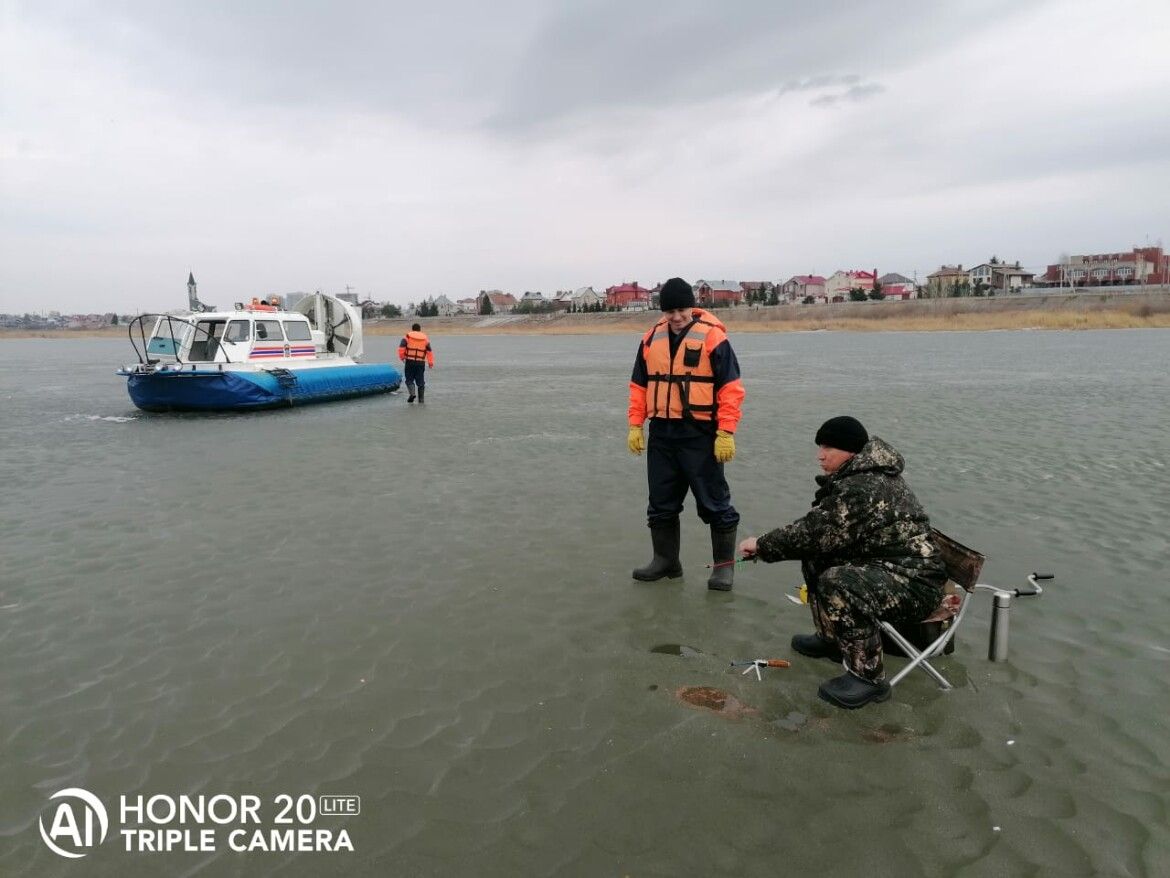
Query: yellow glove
{"x":724,"y":446}
{"x":635,"y":440}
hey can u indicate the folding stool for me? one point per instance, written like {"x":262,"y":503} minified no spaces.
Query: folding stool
{"x":963,"y":566}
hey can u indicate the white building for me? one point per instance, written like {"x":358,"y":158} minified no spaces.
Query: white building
{"x":1000,"y":276}
{"x":586,"y":297}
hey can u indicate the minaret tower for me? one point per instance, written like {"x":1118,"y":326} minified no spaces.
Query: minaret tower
{"x":193,"y":298}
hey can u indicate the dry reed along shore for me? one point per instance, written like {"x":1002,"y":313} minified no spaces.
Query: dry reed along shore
{"x":1095,"y":310}
{"x":1083,"y":310}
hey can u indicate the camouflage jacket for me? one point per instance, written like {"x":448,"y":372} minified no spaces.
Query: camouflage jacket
{"x":864,"y":513}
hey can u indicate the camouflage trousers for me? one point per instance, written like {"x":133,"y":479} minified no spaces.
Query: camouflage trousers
{"x":848,"y":600}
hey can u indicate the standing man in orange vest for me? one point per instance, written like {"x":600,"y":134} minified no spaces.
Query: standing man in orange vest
{"x":686,"y":381}
{"x":415,"y":351}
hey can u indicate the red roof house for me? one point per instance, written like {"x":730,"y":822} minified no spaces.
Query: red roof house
{"x":629,"y":295}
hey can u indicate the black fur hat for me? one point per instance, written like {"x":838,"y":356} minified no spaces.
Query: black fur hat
{"x":676,"y":293}
{"x":844,"y":433}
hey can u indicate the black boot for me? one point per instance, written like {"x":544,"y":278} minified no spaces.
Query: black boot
{"x":410,"y":390}
{"x":722,"y":552}
{"x":665,"y":563}
{"x":421,"y":393}
{"x":815,"y":646}
{"x":850,"y":691}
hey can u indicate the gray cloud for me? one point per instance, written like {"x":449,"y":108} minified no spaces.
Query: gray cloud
{"x":427,"y":61}
{"x":608,"y":54}
{"x":852,"y":94}
{"x":530,"y":144}
{"x":511,"y":64}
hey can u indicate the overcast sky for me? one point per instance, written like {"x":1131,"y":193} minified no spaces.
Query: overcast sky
{"x":408,"y":150}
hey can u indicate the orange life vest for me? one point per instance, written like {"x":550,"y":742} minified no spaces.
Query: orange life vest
{"x":682,"y":386}
{"x":416,"y":347}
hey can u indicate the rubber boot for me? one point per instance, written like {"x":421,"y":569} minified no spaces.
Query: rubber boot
{"x":410,"y":390}
{"x":665,"y":563}
{"x":722,"y":551}
{"x":815,"y":646}
{"x":851,"y":692}
{"x":422,"y":391}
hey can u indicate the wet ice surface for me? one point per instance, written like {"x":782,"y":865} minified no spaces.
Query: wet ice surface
{"x":432,"y":608}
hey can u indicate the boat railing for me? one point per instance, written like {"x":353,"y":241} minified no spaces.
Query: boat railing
{"x":139,"y":324}
{"x":199,"y":334}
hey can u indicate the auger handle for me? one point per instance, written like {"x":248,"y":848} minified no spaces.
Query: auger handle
{"x":1036,"y":589}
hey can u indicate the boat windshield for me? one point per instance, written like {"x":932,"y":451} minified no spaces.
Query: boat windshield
{"x":169,"y":337}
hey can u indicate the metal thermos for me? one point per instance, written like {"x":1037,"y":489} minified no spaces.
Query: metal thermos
{"x":997,"y":647}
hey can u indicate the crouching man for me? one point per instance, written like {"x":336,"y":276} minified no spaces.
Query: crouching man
{"x":866,"y":554}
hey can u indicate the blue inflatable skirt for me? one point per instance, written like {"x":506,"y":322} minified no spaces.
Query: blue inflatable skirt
{"x":208,"y":391}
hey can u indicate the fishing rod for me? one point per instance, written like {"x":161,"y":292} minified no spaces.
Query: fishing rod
{"x":801,"y":597}
{"x":729,"y":563}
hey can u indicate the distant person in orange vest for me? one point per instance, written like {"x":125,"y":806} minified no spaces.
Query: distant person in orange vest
{"x":686,"y":381}
{"x":415,"y":351}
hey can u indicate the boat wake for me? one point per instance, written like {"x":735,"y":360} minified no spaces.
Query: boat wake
{"x":114,"y":419}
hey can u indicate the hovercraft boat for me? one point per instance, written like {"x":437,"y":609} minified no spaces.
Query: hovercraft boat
{"x":256,"y":357}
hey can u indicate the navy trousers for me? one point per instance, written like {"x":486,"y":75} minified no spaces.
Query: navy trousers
{"x":416,"y":373}
{"x":681,"y":457}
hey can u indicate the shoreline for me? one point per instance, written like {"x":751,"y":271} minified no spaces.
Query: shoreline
{"x":1023,"y":313}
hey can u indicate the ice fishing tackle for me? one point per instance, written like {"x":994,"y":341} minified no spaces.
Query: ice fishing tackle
{"x":756,"y":664}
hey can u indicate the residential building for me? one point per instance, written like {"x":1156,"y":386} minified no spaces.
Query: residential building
{"x":718,"y":292}
{"x":999,"y":277}
{"x":949,"y":280}
{"x":443,"y":307}
{"x":1141,"y":265}
{"x":587,"y":297}
{"x":467,"y":306}
{"x":839,"y":283}
{"x":898,"y":286}
{"x":800,"y":286}
{"x":562,"y":300}
{"x":502,"y":303}
{"x":532,"y":301}
{"x":758,"y":291}
{"x":628,"y":297}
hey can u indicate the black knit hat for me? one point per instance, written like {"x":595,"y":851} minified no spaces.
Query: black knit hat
{"x":676,"y":293}
{"x":844,"y":433}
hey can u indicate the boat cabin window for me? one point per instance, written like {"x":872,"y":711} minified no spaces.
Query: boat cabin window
{"x":205,"y":342}
{"x":297,"y":330}
{"x":238,"y":330}
{"x":268,"y":330}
